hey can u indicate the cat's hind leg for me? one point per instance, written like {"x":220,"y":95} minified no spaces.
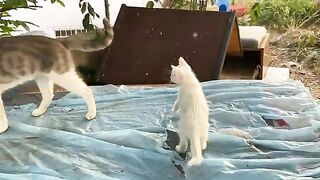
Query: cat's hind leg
{"x":183,"y":144}
{"x":204,"y":140}
{"x":46,"y":88}
{"x":196,"y":152}
{"x":72,"y":82}
{"x":3,"y":118}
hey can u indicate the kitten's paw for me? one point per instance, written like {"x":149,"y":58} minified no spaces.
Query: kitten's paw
{"x":195,"y":162}
{"x":4,"y":126}
{"x":38,"y":112}
{"x":204,"y":146}
{"x":175,"y":110}
{"x":179,"y":149}
{"x":90,"y":116}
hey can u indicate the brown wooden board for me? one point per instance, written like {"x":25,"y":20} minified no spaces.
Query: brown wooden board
{"x":234,"y":46}
{"x":147,"y":41}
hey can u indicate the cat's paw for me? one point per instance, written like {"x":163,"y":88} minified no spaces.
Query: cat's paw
{"x":175,"y":110}
{"x":179,"y":149}
{"x":204,"y":146}
{"x":90,"y":116}
{"x":3,"y":125}
{"x":195,"y":162}
{"x":38,"y":112}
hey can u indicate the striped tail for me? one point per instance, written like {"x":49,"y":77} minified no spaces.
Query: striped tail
{"x":89,"y":42}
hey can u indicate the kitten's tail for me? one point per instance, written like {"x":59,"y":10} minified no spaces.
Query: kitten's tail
{"x":90,"y":41}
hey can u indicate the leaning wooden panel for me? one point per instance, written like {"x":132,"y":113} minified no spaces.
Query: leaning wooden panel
{"x":265,"y":52}
{"x":148,"y":41}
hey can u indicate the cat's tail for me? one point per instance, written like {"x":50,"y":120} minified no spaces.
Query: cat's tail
{"x":236,"y":132}
{"x":90,"y":41}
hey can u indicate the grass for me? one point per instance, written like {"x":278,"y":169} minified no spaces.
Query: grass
{"x":284,"y":14}
{"x":296,"y":28}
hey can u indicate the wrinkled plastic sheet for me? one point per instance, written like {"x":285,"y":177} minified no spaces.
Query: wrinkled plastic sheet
{"x":127,"y":139}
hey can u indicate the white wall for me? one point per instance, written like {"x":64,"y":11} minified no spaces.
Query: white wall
{"x":116,"y":4}
{"x":55,"y":16}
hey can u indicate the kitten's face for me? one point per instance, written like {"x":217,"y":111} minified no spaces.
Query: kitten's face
{"x":178,"y":72}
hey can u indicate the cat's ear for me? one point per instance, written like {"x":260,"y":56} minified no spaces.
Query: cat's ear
{"x":182,"y":61}
{"x":172,"y":66}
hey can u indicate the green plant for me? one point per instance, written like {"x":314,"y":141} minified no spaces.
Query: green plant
{"x":285,"y":14}
{"x":9,"y":25}
{"x":90,"y":13}
{"x":180,"y":4}
{"x":307,"y":50}
{"x":307,"y":39}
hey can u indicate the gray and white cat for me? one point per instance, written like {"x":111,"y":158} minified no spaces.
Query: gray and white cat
{"x":47,"y":61}
{"x":192,"y":107}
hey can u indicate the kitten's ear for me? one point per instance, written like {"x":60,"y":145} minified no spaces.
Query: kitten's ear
{"x":182,"y":61}
{"x":172,"y":66}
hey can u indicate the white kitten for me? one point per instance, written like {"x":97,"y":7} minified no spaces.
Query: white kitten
{"x":192,"y":107}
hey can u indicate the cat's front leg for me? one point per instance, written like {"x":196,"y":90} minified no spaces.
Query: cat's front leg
{"x":46,"y":88}
{"x":3,"y":118}
{"x":196,"y":153}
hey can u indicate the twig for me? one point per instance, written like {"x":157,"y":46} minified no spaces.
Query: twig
{"x":161,"y":3}
{"x":312,"y":16}
{"x":173,"y":4}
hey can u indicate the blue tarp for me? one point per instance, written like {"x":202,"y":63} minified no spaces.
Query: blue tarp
{"x":126,"y":139}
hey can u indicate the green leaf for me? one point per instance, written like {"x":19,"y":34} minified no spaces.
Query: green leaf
{"x":86,"y":21}
{"x":97,"y":15}
{"x":84,"y":7}
{"x":16,"y":23}
{"x":5,"y":14}
{"x":23,"y":3}
{"x":27,"y":22}
{"x":6,"y":29}
{"x":90,"y":27}
{"x":25,"y":26}
{"x":61,"y":3}
{"x":150,"y":4}
{"x":91,"y":10}
{"x":15,"y":3}
{"x":53,"y":1}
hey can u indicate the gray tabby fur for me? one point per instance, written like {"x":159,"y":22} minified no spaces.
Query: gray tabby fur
{"x":47,"y":61}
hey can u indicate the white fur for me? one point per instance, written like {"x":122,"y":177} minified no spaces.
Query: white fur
{"x":69,"y":80}
{"x":192,"y":106}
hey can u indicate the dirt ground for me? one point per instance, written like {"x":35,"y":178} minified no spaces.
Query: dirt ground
{"x":291,"y":49}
